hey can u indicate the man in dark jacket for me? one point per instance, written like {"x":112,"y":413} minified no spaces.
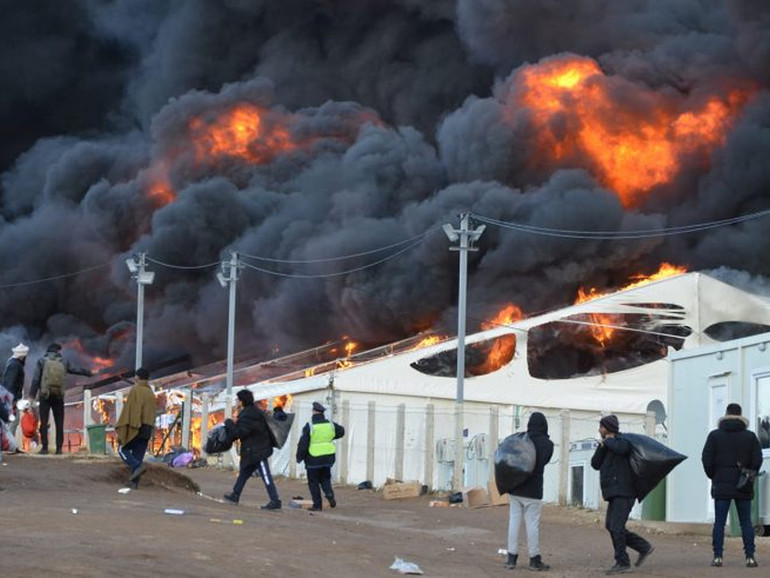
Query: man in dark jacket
{"x":316,"y":449}
{"x":52,"y":398}
{"x":526,"y":500}
{"x":729,"y":448}
{"x":256,"y":447}
{"x":612,"y":460}
{"x":13,"y":379}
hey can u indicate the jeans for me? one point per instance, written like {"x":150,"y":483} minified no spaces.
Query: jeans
{"x":317,"y":479}
{"x":133,"y":452}
{"x":617,"y":515}
{"x":55,"y":405}
{"x":263,"y":470}
{"x":530,"y":509}
{"x":721,"y":508}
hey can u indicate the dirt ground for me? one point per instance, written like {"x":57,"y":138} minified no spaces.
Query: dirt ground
{"x":63,"y":516}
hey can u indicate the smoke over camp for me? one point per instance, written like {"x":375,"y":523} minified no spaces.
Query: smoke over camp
{"x":302,"y":131}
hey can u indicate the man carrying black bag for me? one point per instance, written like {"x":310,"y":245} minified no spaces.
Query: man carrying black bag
{"x":526,"y":499}
{"x":729,"y":449}
{"x":612,"y":459}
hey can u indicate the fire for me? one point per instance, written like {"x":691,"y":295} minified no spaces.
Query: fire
{"x":100,"y":407}
{"x":600,"y":323}
{"x":507,"y":315}
{"x":633,"y":144}
{"x":245,"y":131}
{"x":427,"y":342}
{"x":283,"y":401}
{"x":501,"y":353}
{"x":95,"y":363}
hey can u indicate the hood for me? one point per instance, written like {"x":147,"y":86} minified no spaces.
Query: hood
{"x":537,"y":424}
{"x":733,"y":423}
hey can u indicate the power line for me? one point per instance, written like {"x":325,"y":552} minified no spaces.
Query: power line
{"x":46,"y":279}
{"x":184,"y":267}
{"x":619,"y":235}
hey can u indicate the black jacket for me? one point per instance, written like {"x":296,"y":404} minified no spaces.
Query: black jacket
{"x":251,"y":429}
{"x":303,"y":445}
{"x":13,"y":377}
{"x":612,"y":459}
{"x":725,"y":446}
{"x":537,"y":429}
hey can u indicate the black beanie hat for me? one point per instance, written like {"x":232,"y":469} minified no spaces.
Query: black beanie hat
{"x":610,"y":423}
{"x":142,"y":373}
{"x":245,"y":397}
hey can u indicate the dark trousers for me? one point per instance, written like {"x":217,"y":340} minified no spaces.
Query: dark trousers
{"x":56,"y":405}
{"x":317,"y":479}
{"x":618,"y":510}
{"x":721,"y":508}
{"x":262,"y":469}
{"x":133,"y":452}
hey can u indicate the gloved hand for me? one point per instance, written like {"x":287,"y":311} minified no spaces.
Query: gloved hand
{"x":11,"y":418}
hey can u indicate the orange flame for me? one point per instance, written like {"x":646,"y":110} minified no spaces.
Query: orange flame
{"x":601,"y":322}
{"x":245,"y":131}
{"x":427,"y":342}
{"x":507,"y":315}
{"x":632,"y":148}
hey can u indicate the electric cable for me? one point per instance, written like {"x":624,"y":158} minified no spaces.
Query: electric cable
{"x":54,"y":278}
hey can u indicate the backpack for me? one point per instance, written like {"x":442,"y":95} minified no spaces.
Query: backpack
{"x":52,"y":381}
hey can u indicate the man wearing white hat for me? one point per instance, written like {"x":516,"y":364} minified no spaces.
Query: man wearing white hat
{"x":13,"y":378}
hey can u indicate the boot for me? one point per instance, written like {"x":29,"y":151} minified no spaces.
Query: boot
{"x":512,"y":559}
{"x":536,"y":563}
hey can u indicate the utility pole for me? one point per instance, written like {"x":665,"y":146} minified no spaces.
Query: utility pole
{"x":136,"y":266}
{"x":467,"y":237}
{"x":229,"y":275}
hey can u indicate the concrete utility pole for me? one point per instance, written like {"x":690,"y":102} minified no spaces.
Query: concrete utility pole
{"x":467,"y":237}
{"x":229,"y":275}
{"x":136,"y":265}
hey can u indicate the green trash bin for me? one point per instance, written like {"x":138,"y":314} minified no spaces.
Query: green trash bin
{"x":97,"y":439}
{"x":654,"y":503}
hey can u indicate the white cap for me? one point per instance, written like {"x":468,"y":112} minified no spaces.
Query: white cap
{"x":20,"y":350}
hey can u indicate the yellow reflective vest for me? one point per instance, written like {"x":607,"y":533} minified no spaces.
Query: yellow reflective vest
{"x":321,"y":436}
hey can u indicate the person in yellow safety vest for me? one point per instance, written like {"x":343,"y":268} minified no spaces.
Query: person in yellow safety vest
{"x":316,"y":449}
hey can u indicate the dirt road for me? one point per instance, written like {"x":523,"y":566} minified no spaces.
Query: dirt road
{"x":63,"y":516}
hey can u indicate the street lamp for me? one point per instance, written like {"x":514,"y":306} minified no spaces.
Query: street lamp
{"x":466,"y":237}
{"x":136,"y":266}
{"x":229,"y":275}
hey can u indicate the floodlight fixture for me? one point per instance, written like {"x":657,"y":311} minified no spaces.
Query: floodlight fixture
{"x":131,"y":264}
{"x":145,"y":277}
{"x":222,"y":280}
{"x":450,"y":232}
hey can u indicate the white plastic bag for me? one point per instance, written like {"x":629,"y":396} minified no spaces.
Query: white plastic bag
{"x":404,"y":567}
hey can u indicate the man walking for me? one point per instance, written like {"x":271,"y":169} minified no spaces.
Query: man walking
{"x":135,"y":425}
{"x":611,"y":458}
{"x":49,"y":381}
{"x":256,"y":447}
{"x":729,"y":448}
{"x":526,"y":500}
{"x":13,"y":379}
{"x":316,"y":449}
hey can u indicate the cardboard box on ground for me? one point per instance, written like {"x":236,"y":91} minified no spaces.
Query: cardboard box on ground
{"x":396,"y":489}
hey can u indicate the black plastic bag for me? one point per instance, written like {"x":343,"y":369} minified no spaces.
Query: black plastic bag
{"x":514,"y":462}
{"x":651,"y":461}
{"x":219,"y":440}
{"x":279,"y":429}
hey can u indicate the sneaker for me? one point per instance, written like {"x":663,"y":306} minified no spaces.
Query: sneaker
{"x":137,"y":473}
{"x":750,"y":562}
{"x":232,"y":498}
{"x":536,"y":564}
{"x":58,"y":452}
{"x":717,"y":561}
{"x":643,"y":556}
{"x":511,"y":562}
{"x":272,"y":506}
{"x":43,"y":452}
{"x":618,"y":569}
{"x":314,"y":509}
{"x":332,"y":502}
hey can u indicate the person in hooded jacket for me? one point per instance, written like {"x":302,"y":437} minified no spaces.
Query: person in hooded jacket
{"x":49,"y":402}
{"x":13,"y":379}
{"x":612,"y":459}
{"x":729,"y":448}
{"x":256,"y":447}
{"x":526,"y":500}
{"x":316,"y":449}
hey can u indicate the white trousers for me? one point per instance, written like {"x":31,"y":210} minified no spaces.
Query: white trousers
{"x":530,"y":509}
